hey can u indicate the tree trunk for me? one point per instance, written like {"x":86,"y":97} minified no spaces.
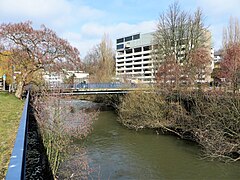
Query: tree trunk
{"x":19,"y":90}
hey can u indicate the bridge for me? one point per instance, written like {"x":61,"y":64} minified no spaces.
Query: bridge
{"x":98,"y":88}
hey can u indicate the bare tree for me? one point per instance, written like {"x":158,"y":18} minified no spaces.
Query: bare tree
{"x":34,"y":51}
{"x":230,"y":66}
{"x":178,"y":34}
{"x":100,"y":61}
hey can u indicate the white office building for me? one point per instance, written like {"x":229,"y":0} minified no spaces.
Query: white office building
{"x":133,"y":58}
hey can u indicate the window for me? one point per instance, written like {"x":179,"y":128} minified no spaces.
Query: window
{"x":137,"y":49}
{"x":129,"y":38}
{"x":137,"y":36}
{"x":120,"y":46}
{"x":146,"y":48}
{"x":147,"y":74}
{"x":127,"y":62}
{"x":120,"y":40}
{"x":128,"y":51}
{"x":139,"y":65}
{"x":138,"y":61}
{"x":138,"y":56}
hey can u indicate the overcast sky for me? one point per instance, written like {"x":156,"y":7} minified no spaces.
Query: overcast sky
{"x":83,"y":22}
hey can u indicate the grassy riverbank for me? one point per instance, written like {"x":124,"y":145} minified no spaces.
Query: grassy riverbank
{"x":10,"y":113}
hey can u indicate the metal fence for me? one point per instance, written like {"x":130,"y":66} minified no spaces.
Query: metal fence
{"x":98,"y":86}
{"x":17,"y":165}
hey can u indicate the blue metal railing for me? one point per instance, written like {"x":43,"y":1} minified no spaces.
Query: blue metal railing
{"x":102,"y":85}
{"x":17,"y":165}
{"x":112,"y":85}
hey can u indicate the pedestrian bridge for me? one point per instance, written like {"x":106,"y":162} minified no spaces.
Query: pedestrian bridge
{"x":98,"y":88}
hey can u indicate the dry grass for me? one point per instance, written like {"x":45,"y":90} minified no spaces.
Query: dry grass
{"x":10,"y":114}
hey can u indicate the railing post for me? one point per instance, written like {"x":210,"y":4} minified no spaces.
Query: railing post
{"x":17,"y":165}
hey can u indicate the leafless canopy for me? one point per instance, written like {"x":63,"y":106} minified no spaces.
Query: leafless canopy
{"x":179,"y":34}
{"x":32,"y":50}
{"x":99,"y":62}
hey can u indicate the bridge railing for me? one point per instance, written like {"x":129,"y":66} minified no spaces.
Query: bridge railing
{"x":17,"y":165}
{"x":99,"y":86}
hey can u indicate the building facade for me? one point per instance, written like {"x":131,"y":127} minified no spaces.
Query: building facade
{"x":134,"y":58}
{"x":54,"y":79}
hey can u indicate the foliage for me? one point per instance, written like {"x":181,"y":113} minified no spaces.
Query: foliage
{"x":99,"y":62}
{"x":199,"y":65}
{"x":211,"y":119}
{"x":142,"y":110}
{"x":230,"y":66}
{"x":10,"y":112}
{"x":58,"y":123}
{"x":35,"y":51}
{"x":169,"y":72}
{"x":6,"y":68}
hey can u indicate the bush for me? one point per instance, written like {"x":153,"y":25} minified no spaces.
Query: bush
{"x":58,"y":123}
{"x":212,"y":120}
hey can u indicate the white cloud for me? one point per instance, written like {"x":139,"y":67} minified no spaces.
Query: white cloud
{"x":91,"y":33}
{"x":54,"y":13}
{"x":36,"y":8}
{"x":120,"y":29}
{"x":95,"y":31}
{"x":63,"y":16}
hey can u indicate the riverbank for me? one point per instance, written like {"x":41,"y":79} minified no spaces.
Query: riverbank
{"x":10,"y":111}
{"x":115,"y":152}
{"x":210,"y":119}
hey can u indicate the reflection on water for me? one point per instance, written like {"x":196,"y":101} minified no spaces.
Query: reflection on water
{"x":120,"y":153}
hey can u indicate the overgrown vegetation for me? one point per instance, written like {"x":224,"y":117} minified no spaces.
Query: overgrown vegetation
{"x":212,"y":120}
{"x":10,"y":114}
{"x":59,"y":123}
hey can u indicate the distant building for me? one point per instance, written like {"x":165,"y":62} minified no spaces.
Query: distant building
{"x":78,"y":76}
{"x":218,"y":56}
{"x":54,"y":79}
{"x":134,"y":60}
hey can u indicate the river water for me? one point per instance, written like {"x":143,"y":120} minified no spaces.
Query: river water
{"x":116,"y":152}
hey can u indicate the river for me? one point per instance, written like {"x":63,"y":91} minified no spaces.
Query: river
{"x":116,"y":152}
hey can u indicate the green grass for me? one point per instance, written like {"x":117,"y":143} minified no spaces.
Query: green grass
{"x":10,"y":114}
